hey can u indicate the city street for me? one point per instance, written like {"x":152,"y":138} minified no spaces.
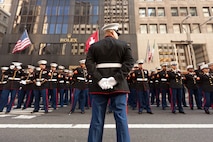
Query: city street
{"x":58,"y":126}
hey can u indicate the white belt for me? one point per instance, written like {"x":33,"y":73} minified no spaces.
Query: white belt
{"x":142,"y":79}
{"x":90,"y":81}
{"x":163,"y":79}
{"x":67,"y":82}
{"x":11,"y":78}
{"x":156,"y":81}
{"x":52,"y":80}
{"x":109,"y":65}
{"x":80,"y":78}
{"x":151,"y":81}
{"x":3,"y":82}
{"x":40,"y":79}
{"x":61,"y":81}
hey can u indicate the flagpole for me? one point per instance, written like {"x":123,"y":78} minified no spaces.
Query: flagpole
{"x":98,"y":29}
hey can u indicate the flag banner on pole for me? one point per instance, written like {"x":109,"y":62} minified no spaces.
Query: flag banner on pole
{"x":92,"y":39}
{"x":147,"y":51}
{"x":22,"y":43}
{"x":153,"y":50}
{"x":149,"y":54}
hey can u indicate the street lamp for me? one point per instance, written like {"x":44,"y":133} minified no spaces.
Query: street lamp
{"x":188,"y":39}
{"x":210,"y":18}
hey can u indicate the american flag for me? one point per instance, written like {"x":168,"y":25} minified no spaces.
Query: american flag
{"x":22,"y":43}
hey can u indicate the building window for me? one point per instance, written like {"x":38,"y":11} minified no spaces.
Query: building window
{"x":193,"y":11}
{"x":176,"y":28}
{"x":209,"y":28}
{"x":52,"y":49}
{"x":117,"y":11}
{"x":162,"y":28}
{"x":166,"y":52}
{"x":142,"y":12}
{"x":78,"y":49}
{"x":185,"y":28}
{"x":5,"y":19}
{"x":153,"y":29}
{"x":174,"y":11}
{"x":143,"y":28}
{"x":27,"y":16}
{"x":206,"y":12}
{"x":56,"y":17}
{"x":212,"y":9}
{"x":151,"y":12}
{"x":183,"y":11}
{"x":161,"y":12}
{"x":195,"y":28}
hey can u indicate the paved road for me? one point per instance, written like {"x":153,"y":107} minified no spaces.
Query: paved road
{"x":58,"y":126}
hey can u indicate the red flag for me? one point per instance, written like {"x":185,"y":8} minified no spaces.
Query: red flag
{"x":92,"y":39}
{"x":22,"y":43}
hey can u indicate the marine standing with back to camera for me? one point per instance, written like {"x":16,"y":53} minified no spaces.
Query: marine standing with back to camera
{"x":109,"y":62}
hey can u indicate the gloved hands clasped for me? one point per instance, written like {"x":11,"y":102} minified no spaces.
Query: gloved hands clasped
{"x":107,"y":83}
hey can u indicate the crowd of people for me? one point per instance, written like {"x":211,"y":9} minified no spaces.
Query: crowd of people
{"x":164,"y":86}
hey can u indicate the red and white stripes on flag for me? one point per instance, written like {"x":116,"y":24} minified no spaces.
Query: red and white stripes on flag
{"x":22,"y":43}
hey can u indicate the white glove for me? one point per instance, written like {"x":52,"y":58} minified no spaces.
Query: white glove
{"x":38,"y":83}
{"x":18,"y":67}
{"x":12,"y":67}
{"x":111,"y":81}
{"x":103,"y":83}
{"x":23,"y":82}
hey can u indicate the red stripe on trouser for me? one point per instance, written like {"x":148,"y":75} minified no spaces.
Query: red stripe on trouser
{"x":56,"y":97}
{"x":172,"y":103}
{"x":28,"y":98}
{"x":126,"y":103}
{"x":190,"y":103}
{"x":72,"y":99}
{"x":47,"y":100}
{"x":203,"y":96}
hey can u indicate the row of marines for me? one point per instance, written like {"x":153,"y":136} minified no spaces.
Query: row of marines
{"x":33,"y":83}
{"x":36,"y":82}
{"x":171,"y":84}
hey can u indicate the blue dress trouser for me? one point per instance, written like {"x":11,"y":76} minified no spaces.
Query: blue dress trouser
{"x":164,"y":103}
{"x":54,"y":97}
{"x":38,"y":94}
{"x":78,"y":94}
{"x":143,"y":98}
{"x":99,"y":106}
{"x":62,"y":93}
{"x":176,"y":97}
{"x":191,"y":98}
{"x":4,"y":99}
{"x":28,"y":98}
{"x":207,"y":100}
